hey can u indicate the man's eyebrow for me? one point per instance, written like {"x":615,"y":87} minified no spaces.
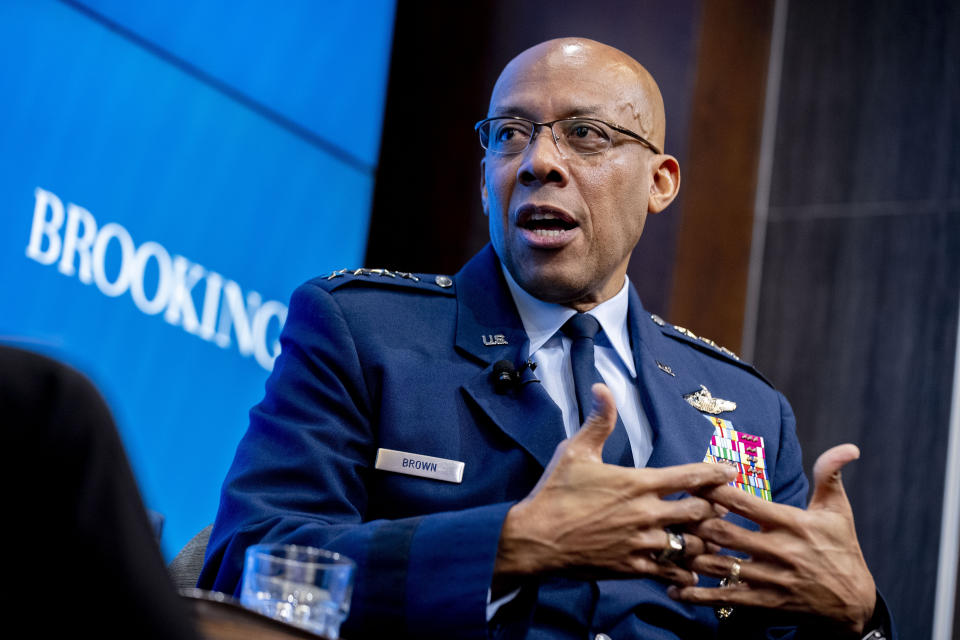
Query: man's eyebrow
{"x":573,"y":112}
{"x":510,"y":110}
{"x":591,"y":111}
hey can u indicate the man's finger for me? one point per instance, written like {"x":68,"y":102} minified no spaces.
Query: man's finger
{"x":717,"y":565}
{"x":650,"y":543}
{"x":686,"y":477}
{"x":669,"y":572}
{"x":753,"y":571}
{"x":828,"y":490}
{"x":731,"y":536}
{"x":693,"y":546}
{"x":599,"y":424}
{"x":736,"y":595}
{"x":666,"y":513}
{"x":767,"y":514}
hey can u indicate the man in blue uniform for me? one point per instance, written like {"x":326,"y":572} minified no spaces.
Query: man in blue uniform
{"x":445,"y":432}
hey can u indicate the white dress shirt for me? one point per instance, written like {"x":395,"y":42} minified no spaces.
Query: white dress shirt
{"x":550,"y":349}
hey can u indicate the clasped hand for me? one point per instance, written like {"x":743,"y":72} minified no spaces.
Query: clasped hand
{"x":600,"y":520}
{"x":595,"y":520}
{"x":805,"y":561}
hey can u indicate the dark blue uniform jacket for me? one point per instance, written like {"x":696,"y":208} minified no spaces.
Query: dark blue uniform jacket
{"x":372,"y":361}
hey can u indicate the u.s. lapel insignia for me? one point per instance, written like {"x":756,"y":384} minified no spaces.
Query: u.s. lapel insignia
{"x":743,"y":451}
{"x":702,"y":400}
{"x":665,"y":368}
{"x":494,"y":340}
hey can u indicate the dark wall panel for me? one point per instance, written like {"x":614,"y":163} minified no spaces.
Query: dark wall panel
{"x":858,"y":306}
{"x":856,"y":329}
{"x":868,"y":111}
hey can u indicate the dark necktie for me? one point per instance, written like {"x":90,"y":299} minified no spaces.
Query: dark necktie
{"x":581,"y":329}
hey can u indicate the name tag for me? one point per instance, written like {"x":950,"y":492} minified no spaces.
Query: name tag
{"x":414,"y":464}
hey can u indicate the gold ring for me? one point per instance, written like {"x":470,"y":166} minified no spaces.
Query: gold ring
{"x":734,"y":572}
{"x":724,"y":612}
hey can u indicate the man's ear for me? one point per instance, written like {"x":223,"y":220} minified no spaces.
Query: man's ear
{"x":483,"y":186}
{"x":665,"y":183}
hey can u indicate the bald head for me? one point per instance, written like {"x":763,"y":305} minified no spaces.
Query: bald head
{"x":565,"y":216}
{"x":637,"y":97}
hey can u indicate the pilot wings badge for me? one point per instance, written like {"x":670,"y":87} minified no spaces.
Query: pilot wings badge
{"x":702,"y":400}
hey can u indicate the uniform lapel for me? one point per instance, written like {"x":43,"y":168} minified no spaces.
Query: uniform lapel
{"x":680,"y":433}
{"x":485,"y":311}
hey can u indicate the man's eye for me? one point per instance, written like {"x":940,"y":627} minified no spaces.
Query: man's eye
{"x":584,"y":131}
{"x":505,"y":133}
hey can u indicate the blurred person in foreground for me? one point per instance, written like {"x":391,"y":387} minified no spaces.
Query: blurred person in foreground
{"x":79,"y":549}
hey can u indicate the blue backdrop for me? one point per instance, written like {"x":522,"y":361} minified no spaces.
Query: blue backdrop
{"x":168,"y":174}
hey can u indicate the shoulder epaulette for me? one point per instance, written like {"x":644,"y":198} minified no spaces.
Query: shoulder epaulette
{"x":386,"y":277}
{"x":703,"y":344}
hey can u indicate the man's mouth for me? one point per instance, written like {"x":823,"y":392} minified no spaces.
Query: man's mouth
{"x":544,"y":227}
{"x":545,"y":222}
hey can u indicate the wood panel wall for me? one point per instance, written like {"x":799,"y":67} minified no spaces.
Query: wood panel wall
{"x":719,"y":180}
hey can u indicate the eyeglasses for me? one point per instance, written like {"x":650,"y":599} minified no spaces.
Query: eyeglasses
{"x":506,"y":135}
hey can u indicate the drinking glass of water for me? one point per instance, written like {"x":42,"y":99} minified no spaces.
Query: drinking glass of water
{"x":303,"y":586}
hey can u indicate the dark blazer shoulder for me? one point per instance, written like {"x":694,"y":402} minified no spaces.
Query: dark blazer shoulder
{"x":375,"y":308}
{"x":706,"y":346}
{"x":385,"y":279}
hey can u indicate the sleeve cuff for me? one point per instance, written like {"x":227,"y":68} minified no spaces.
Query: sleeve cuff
{"x":451,"y":568}
{"x":880,"y":626}
{"x":493,"y":607}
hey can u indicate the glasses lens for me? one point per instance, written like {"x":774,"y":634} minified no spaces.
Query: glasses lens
{"x":583,"y":136}
{"x":505,"y":135}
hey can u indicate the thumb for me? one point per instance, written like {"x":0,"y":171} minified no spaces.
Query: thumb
{"x":598,"y":425}
{"x":828,"y":490}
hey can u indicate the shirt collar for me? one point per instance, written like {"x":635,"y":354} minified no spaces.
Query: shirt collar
{"x":541,"y":320}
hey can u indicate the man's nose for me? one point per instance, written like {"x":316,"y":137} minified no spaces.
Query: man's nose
{"x":542,"y":161}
